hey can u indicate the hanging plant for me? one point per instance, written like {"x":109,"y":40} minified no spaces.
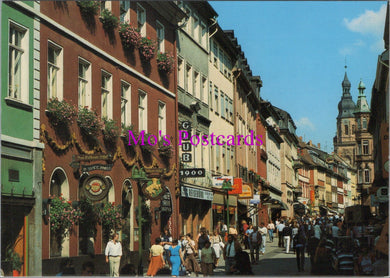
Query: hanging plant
{"x":89,"y":7}
{"x":60,"y":112}
{"x":110,"y":130}
{"x":110,"y":217}
{"x":165,"y":62}
{"x":146,"y":147}
{"x":147,"y":48}
{"x":109,"y":20}
{"x":130,"y":36}
{"x":63,"y":217}
{"x":89,"y":121}
{"x":165,"y":150}
{"x":89,"y":219}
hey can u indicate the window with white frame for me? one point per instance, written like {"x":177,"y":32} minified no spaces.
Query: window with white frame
{"x":196,"y":86}
{"x":180,"y":72}
{"x":18,"y":62}
{"x":162,"y":118}
{"x":141,"y":20}
{"x":54,"y":71}
{"x":125,"y":103}
{"x":106,"y":98}
{"x":221,"y":59}
{"x":227,"y":107}
{"x":365,"y":147}
{"x":160,"y":36}
{"x":142,"y":111}
{"x":366,"y":175}
{"x":188,"y":81}
{"x":222,"y":105}
{"x":124,"y":6}
{"x":203,"y":39}
{"x":203,"y":89}
{"x":364,"y":123}
{"x":84,"y":83}
{"x":216,"y":94}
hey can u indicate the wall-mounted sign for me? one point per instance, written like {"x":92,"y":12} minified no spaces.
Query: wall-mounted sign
{"x":95,"y":187}
{"x":91,"y":157}
{"x":186,"y":125}
{"x":196,"y":193}
{"x":186,"y":157}
{"x":186,"y":147}
{"x":166,"y":203}
{"x":102,"y":167}
{"x":218,"y":181}
{"x":153,"y":189}
{"x":237,"y":186}
{"x":192,"y":173}
{"x":247,"y":192}
{"x":255,"y":200}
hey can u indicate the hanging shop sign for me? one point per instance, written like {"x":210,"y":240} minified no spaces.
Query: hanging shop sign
{"x":247,"y":192}
{"x":94,"y":167}
{"x":154,"y":189}
{"x":166,"y":203}
{"x":255,"y":200}
{"x":95,"y":187}
{"x":196,"y":193}
{"x":218,"y":181}
{"x":237,"y":186}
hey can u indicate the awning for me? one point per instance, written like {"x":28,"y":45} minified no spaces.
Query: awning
{"x":278,"y":204}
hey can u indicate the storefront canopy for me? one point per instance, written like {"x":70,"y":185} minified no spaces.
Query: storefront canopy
{"x":278,"y":204}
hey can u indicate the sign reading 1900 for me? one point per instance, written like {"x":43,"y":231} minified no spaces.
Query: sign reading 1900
{"x":192,"y":173}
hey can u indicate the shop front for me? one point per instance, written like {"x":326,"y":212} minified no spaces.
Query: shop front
{"x":220,"y":208}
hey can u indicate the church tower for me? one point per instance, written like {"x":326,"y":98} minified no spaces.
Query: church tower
{"x":345,"y":141}
{"x":364,"y":140}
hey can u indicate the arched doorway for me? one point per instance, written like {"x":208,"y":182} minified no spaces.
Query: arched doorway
{"x":59,"y":185}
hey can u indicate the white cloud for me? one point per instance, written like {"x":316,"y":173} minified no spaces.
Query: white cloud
{"x":370,"y":22}
{"x":305,"y":123}
{"x":378,"y":46}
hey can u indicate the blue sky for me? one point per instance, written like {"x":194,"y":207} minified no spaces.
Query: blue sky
{"x":299,"y":50}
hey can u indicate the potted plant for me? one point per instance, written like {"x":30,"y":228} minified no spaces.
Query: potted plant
{"x":110,"y":130}
{"x":89,"y":7}
{"x":164,"y":150}
{"x":130,"y":36}
{"x":15,"y":261}
{"x":109,"y":20}
{"x":88,"y":121}
{"x":147,"y":48}
{"x":165,"y":62}
{"x":60,"y":112}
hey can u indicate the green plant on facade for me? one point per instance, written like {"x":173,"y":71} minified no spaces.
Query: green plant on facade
{"x":60,"y":112}
{"x":111,"y":131}
{"x":109,"y":20}
{"x":89,"y":121}
{"x":146,"y":147}
{"x":147,"y":48}
{"x":89,"y":219}
{"x":164,"y":150}
{"x":110,"y":217}
{"x":165,"y":62}
{"x":63,"y":217}
{"x":89,"y":7}
{"x":14,"y":259}
{"x":130,"y":36}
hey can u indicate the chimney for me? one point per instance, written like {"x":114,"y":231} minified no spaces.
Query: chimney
{"x":319,"y":145}
{"x":310,"y":143}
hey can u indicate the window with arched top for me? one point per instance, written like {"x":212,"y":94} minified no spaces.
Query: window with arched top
{"x":58,"y":185}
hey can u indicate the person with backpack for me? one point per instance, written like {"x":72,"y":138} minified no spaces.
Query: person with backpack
{"x":255,"y":239}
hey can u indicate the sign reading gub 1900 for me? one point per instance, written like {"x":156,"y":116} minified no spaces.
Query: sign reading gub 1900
{"x":95,"y":187}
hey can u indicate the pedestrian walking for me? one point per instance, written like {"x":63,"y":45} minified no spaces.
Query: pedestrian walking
{"x":229,"y":252}
{"x":156,"y":258}
{"x":208,"y":259}
{"x":256,"y":240}
{"x":176,"y":257}
{"x":280,"y":228}
{"x":217,"y":244}
{"x":113,"y":254}
{"x":300,"y":243}
{"x":248,"y":233}
{"x":271,"y":228}
{"x":191,"y":263}
{"x":294,"y":232}
{"x":263,"y":231}
{"x":201,"y":239}
{"x":287,"y":233}
{"x":166,"y":241}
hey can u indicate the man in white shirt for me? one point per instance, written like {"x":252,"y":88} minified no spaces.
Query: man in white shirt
{"x":263,"y":231}
{"x":113,"y":254}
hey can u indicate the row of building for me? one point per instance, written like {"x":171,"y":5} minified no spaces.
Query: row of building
{"x":72,"y":51}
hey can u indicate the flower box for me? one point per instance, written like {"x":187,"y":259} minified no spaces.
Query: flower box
{"x":109,"y":20}
{"x":147,"y":48}
{"x":165,"y":62}
{"x":110,"y":130}
{"x":89,"y":7}
{"x":88,"y":121}
{"x":130,"y":36}
{"x":60,"y":112}
{"x":165,"y":151}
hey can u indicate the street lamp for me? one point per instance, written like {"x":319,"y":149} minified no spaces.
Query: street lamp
{"x":139,"y":176}
{"x":226,"y":185}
